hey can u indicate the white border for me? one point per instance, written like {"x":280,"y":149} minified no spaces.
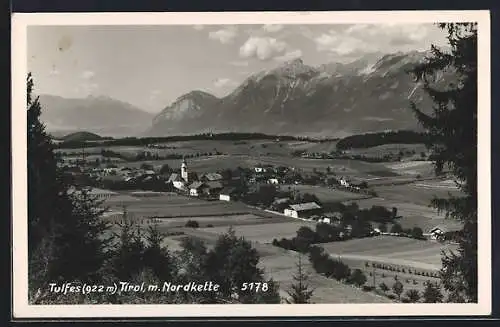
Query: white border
{"x":22,"y":309}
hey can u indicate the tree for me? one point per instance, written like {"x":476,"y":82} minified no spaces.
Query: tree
{"x":396,"y":228}
{"x":128,"y":255}
{"x":165,"y":169}
{"x":383,"y":287}
{"x":62,"y":221}
{"x":452,"y":139}
{"x":231,"y":263}
{"x":397,"y":288}
{"x":412,"y":296}
{"x":156,"y":257}
{"x":432,"y":294}
{"x":300,"y":292}
{"x":394,"y":212}
{"x":417,"y":233}
{"x":192,"y":224}
{"x":358,"y":278}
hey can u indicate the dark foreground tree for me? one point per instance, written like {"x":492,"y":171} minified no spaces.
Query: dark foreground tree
{"x":300,"y":292}
{"x":66,"y":239}
{"x":432,"y":294}
{"x":412,"y":296}
{"x":452,"y":130}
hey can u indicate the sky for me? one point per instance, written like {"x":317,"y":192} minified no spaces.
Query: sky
{"x":151,"y":66}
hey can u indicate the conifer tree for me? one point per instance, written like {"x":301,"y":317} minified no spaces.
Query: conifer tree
{"x":452,"y":131}
{"x":66,"y":238}
{"x":300,"y":292}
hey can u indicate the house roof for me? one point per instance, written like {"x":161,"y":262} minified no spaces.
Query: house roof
{"x":439,"y":227}
{"x":305,"y":206}
{"x":282,"y":200}
{"x":174,"y":177}
{"x":196,"y":185}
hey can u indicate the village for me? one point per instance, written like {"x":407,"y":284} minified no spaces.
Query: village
{"x":265,"y":187}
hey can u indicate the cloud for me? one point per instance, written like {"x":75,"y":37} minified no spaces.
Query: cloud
{"x":225,"y":35}
{"x":390,"y":37}
{"x":199,"y":27}
{"x":88,"y":74}
{"x":224,"y":82}
{"x":289,"y":55}
{"x":239,"y":63}
{"x":272,"y":28}
{"x":262,"y":48}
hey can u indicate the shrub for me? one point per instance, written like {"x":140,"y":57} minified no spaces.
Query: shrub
{"x":383,"y":287}
{"x":192,"y":224}
{"x":367,"y":288}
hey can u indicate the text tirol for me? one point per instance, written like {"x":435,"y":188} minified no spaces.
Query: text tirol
{"x":191,"y":287}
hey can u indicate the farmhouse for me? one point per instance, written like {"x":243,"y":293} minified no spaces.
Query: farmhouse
{"x":211,"y":177}
{"x":197,"y":188}
{"x":260,"y":169}
{"x":437,"y":233}
{"x":303,"y":210}
{"x":273,"y":181}
{"x":228,"y":194}
{"x":344,"y":182}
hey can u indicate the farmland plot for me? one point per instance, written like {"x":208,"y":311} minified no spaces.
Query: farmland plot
{"x":264,"y":233}
{"x":325,"y":194}
{"x":392,"y":250}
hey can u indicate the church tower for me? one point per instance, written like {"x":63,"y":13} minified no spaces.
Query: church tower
{"x":184,"y":170}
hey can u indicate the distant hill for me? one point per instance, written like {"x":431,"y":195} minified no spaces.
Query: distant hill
{"x":371,"y":94}
{"x":96,"y":114}
{"x":82,"y":136}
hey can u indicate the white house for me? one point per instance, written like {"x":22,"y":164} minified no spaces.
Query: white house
{"x":437,"y":232}
{"x":196,"y":188}
{"x":259,"y":169}
{"x":273,"y":181}
{"x":302,"y":210}
{"x":227,"y":194}
{"x":344,"y":182}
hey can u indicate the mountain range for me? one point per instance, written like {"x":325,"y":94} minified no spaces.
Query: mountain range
{"x":332,"y":100}
{"x":97,"y":114}
{"x":370,"y":94}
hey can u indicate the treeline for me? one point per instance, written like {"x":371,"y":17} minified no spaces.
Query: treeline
{"x":374,"y":139}
{"x":145,"y":141}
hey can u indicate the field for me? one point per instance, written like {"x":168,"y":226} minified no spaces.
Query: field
{"x":391,"y":149}
{"x":325,"y":194}
{"x":416,"y":193}
{"x":391,"y":250}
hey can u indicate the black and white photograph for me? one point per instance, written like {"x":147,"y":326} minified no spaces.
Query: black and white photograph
{"x":310,"y":164}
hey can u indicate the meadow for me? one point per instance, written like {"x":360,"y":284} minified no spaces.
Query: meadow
{"x":399,"y":251}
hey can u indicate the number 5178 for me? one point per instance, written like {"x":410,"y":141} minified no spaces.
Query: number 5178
{"x":257,"y":287}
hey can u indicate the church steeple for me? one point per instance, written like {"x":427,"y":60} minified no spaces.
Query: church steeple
{"x":184,"y":170}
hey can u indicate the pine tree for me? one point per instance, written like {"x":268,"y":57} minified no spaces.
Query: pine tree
{"x":156,"y":256}
{"x":432,"y":294}
{"x":300,"y":292}
{"x":452,"y":131}
{"x":66,"y":238}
